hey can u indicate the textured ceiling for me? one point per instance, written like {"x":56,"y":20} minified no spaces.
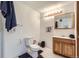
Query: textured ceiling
{"x":39,"y":5}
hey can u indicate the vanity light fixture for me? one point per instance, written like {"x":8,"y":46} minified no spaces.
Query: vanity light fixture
{"x":52,"y":13}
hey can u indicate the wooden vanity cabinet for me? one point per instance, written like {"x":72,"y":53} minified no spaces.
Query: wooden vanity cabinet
{"x":64,"y":47}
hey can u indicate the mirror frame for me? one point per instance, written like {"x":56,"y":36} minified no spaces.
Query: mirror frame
{"x":63,"y":14}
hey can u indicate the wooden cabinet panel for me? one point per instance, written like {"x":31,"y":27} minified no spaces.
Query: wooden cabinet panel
{"x":77,"y":28}
{"x":57,"y":46}
{"x":78,"y":47}
{"x":77,"y":17}
{"x":71,"y":50}
{"x":64,"y":47}
{"x":68,"y":50}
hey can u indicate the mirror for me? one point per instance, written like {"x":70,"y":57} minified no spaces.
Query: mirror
{"x":64,"y":21}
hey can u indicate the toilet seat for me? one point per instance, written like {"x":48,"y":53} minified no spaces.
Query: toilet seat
{"x":34,"y":47}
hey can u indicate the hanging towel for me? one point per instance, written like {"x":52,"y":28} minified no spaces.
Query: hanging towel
{"x":7,"y":10}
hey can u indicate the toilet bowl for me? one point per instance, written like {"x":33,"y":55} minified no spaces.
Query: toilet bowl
{"x":32,"y":49}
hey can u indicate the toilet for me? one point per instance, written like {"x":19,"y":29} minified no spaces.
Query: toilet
{"x":31,"y":48}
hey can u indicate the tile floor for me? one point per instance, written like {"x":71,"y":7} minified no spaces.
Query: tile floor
{"x":47,"y":53}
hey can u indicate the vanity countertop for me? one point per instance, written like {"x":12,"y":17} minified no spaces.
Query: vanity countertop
{"x":64,"y":37}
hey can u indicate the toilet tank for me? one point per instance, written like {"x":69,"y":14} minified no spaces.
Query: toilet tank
{"x":28,"y":41}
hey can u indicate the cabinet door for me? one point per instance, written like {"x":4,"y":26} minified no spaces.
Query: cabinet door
{"x":71,"y":50}
{"x":57,"y":47}
{"x":74,"y":50}
{"x":68,"y":50}
{"x":65,"y":49}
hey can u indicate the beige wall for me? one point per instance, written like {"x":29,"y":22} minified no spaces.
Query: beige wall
{"x":60,"y":32}
{"x":29,"y":19}
{"x":70,"y":7}
{"x":0,"y":36}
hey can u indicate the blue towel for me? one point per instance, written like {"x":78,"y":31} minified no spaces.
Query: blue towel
{"x":7,"y":9}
